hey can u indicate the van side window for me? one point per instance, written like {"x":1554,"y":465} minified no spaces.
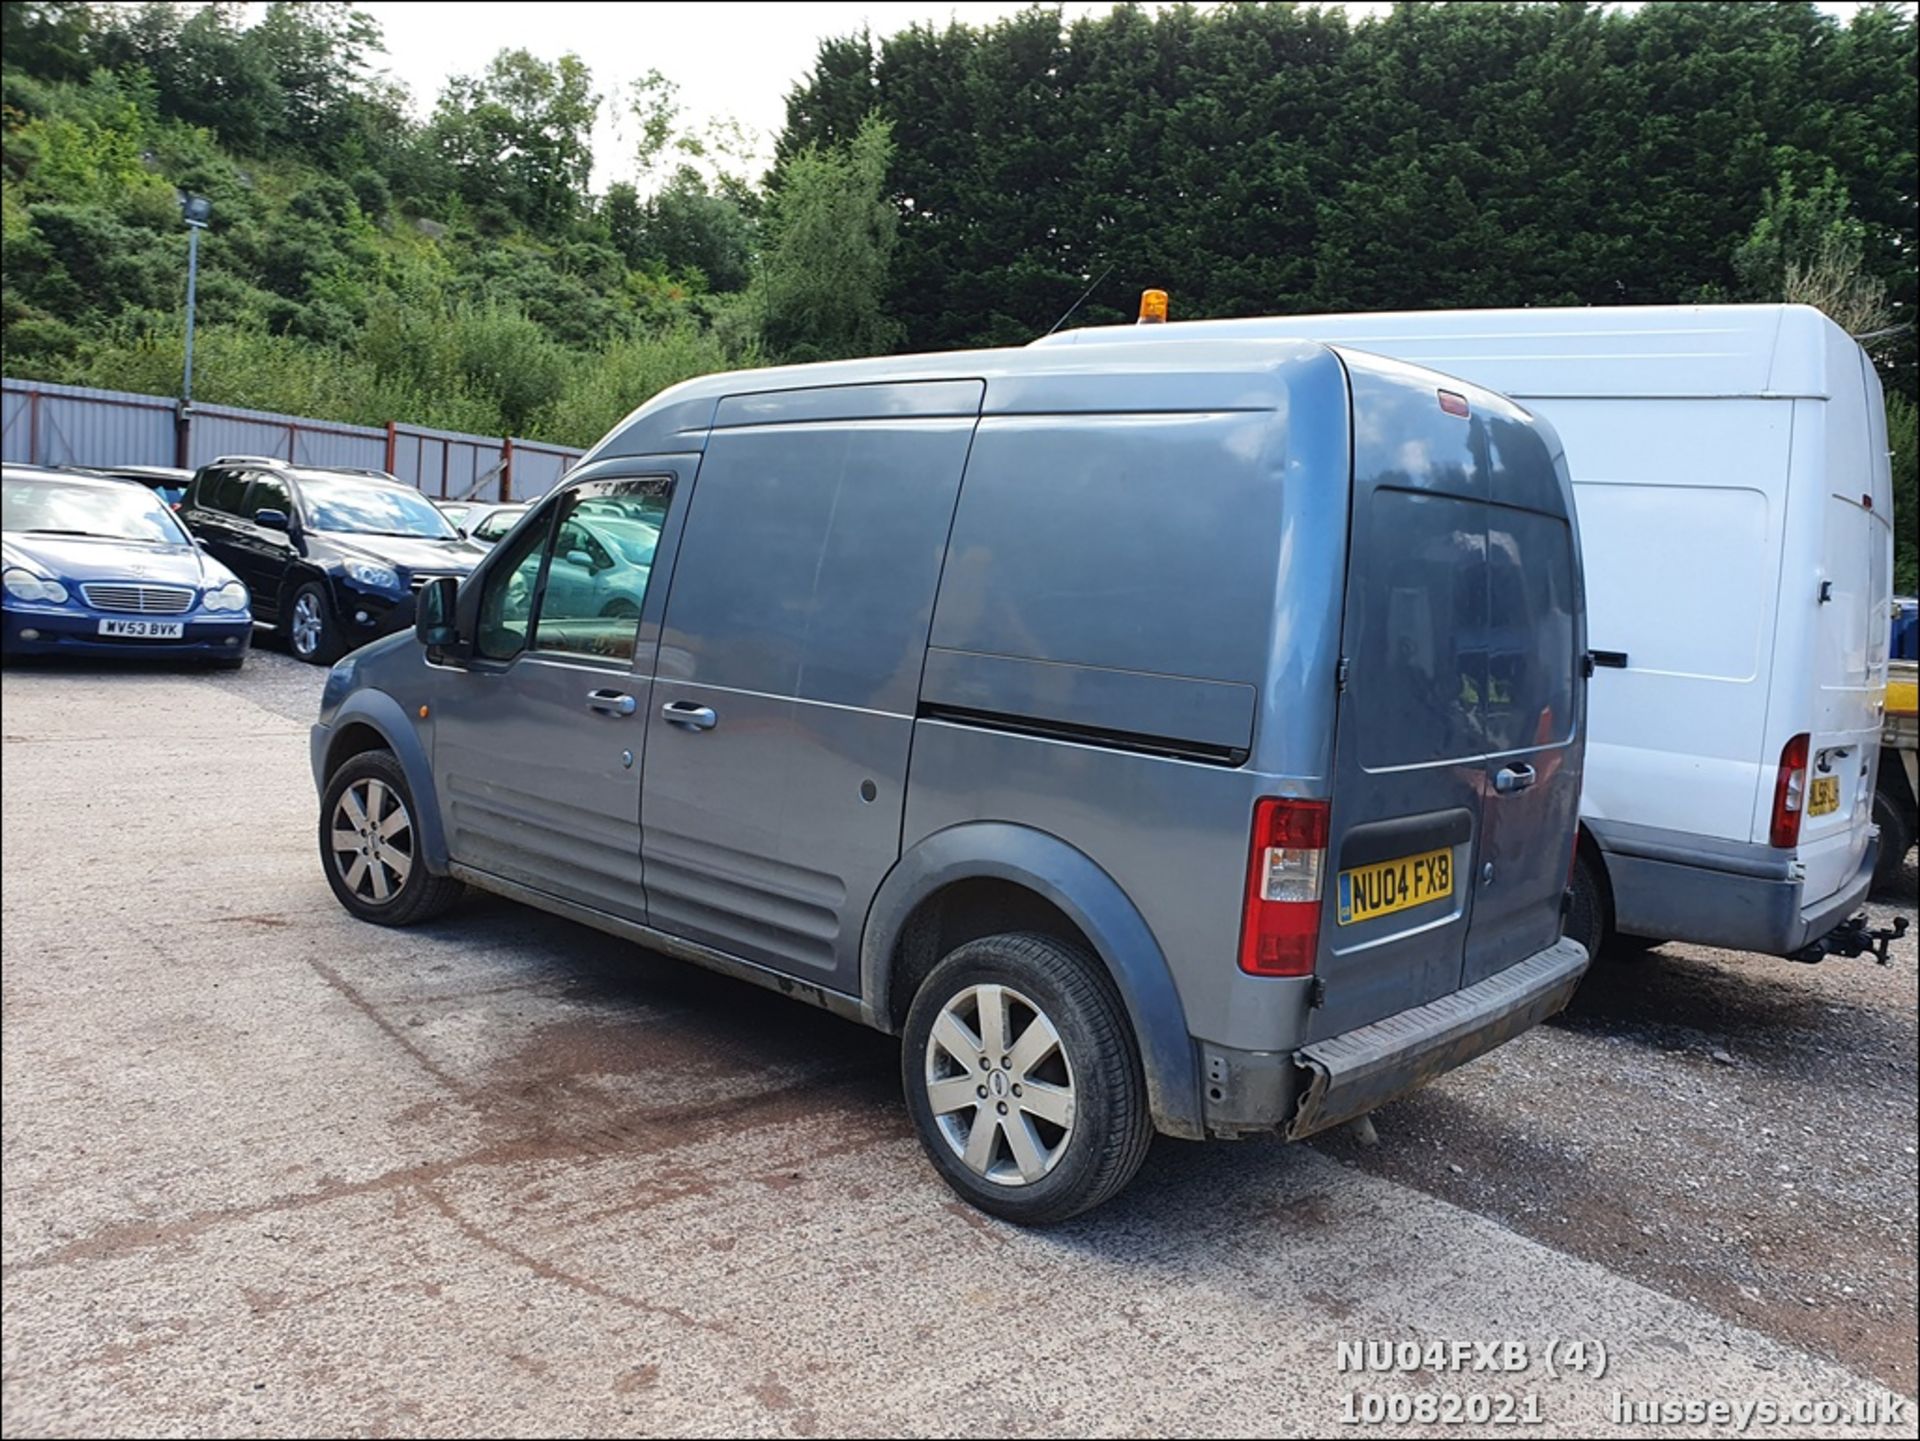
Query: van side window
{"x":598,"y":574}
{"x":506,"y":605}
{"x":577,"y":584}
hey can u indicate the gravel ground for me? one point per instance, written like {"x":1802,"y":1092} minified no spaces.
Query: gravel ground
{"x":269,"y":1169}
{"x":1731,"y":1129}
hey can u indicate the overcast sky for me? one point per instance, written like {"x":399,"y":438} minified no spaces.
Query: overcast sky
{"x":734,"y":59}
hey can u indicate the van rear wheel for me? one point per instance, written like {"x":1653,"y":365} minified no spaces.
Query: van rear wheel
{"x":1023,"y":1080}
{"x":1590,"y":913}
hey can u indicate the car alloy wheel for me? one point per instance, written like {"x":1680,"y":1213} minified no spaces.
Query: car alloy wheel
{"x":307,"y":625}
{"x":372,"y":840}
{"x":999,"y":1085}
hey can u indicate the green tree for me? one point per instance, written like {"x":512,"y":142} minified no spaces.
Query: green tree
{"x":1256,"y":159}
{"x":317,"y":54}
{"x":52,"y":40}
{"x":1905,"y":445}
{"x":830,"y":234}
{"x":518,"y":136}
{"x":687,"y":229}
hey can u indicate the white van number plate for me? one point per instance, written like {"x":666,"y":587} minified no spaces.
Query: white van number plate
{"x":1824,"y":798}
{"x":143,"y":629}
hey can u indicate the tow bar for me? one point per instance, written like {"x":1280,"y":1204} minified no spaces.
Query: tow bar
{"x":1854,"y":938}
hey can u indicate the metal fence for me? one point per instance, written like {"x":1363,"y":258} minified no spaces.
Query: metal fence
{"x":47,"y":424}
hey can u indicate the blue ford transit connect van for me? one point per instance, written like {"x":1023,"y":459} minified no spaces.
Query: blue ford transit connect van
{"x":1179,"y":738}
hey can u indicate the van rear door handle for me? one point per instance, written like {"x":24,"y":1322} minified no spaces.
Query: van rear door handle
{"x":611,"y":702}
{"x":689,"y":715}
{"x":1509,"y":779}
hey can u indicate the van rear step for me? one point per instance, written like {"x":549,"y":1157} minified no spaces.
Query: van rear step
{"x":1853,"y":938}
{"x":1349,"y":1075}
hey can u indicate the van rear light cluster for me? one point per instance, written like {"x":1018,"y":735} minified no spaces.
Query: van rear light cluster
{"x":1280,"y":928}
{"x":1790,"y":792}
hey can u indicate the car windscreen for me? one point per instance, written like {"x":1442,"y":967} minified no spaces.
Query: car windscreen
{"x":39,"y":506}
{"x":634,"y":537}
{"x":366,"y":507}
{"x":498,"y":524}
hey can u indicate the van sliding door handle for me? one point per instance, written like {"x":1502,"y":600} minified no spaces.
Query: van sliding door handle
{"x":611,"y":702}
{"x":1509,"y":779}
{"x":689,"y":715}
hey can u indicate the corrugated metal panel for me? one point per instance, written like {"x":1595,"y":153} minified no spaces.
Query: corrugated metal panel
{"x":446,"y":465}
{"x":538,"y":468}
{"x":50,"y":424}
{"x":215,"y":435}
{"x":221,"y":430}
{"x":77,"y":425}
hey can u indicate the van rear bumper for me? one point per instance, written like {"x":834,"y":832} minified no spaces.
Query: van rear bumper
{"x":1348,"y":1075}
{"x":1309,"y":1089}
{"x":1674,"y":899}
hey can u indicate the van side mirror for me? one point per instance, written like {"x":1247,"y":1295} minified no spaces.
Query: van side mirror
{"x":433,"y":612}
{"x":272,"y":520}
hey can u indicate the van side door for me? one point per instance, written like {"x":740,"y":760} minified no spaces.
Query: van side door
{"x":538,"y":737}
{"x":790,"y":665}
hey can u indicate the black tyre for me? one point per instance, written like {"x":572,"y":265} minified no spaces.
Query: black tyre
{"x":1896,"y":834}
{"x":1590,"y":917}
{"x":369,"y":845}
{"x":1052,"y":1120}
{"x":312,"y":629}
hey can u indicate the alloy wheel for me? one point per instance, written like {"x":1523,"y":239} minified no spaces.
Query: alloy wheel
{"x":372,"y":841}
{"x":306,"y":626}
{"x":1000,"y":1085}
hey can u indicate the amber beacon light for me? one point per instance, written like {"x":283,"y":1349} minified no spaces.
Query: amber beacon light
{"x":1153,"y":307}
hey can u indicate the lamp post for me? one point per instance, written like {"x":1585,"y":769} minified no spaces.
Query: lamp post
{"x":196,"y":210}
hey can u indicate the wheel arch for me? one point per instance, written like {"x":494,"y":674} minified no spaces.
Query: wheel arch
{"x":1588,"y":845}
{"x":301,"y":572}
{"x":983,"y":877}
{"x":373,"y":720}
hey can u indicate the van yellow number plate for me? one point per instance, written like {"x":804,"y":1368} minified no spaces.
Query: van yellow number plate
{"x":1379,"y":890}
{"x":1824,"y":798}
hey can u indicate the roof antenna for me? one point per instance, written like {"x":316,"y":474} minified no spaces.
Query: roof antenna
{"x":1083,"y":295}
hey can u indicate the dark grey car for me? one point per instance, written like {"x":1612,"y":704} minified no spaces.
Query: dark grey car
{"x":1179,"y":738}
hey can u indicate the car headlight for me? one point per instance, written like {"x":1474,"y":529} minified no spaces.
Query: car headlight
{"x":25,"y":585}
{"x":230,"y":596}
{"x":373,"y":577}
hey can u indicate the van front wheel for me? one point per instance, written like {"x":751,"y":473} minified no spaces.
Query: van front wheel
{"x":1023,"y":1079}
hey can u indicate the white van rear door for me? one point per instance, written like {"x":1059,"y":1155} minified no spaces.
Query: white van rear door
{"x":1850,"y":666}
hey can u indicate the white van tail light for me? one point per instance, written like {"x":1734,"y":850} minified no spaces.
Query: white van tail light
{"x":1790,"y":792}
{"x":1280,"y":928}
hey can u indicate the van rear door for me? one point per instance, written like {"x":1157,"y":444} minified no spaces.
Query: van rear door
{"x":1850,"y":672}
{"x":1410,"y":759}
{"x":1531,"y":714}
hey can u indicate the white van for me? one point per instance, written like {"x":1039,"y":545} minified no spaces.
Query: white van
{"x":1731,"y":476}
